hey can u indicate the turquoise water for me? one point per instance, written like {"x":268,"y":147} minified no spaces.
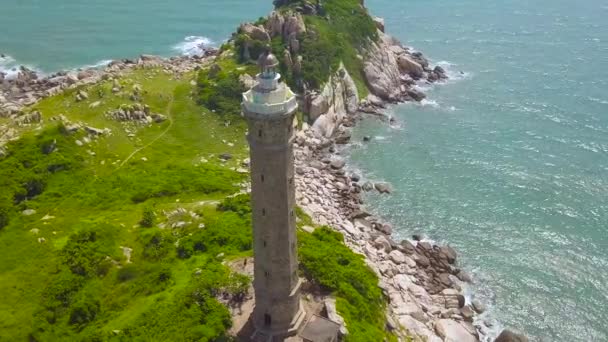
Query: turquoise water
{"x":508,"y":161}
{"x":64,"y":34}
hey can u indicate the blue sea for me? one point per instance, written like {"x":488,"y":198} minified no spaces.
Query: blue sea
{"x":507,"y":161}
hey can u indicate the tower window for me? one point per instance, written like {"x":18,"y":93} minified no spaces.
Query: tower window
{"x":263,"y":212}
{"x":264,"y":242}
{"x":262,"y":177}
{"x":291,"y":213}
{"x":290,"y":180}
{"x":260,"y":133}
{"x":266,"y":274}
{"x":267,"y":320}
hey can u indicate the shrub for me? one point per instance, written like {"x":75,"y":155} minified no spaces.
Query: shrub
{"x":148,"y":218}
{"x":221,"y":92}
{"x":240,"y":204}
{"x":86,"y":252}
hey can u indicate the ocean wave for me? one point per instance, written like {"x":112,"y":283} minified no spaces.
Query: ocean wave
{"x":9,"y":66}
{"x":193,"y":45}
{"x":100,"y":64}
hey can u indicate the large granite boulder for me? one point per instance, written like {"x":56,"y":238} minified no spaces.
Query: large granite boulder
{"x":382,"y":72}
{"x":255,"y":32}
{"x":509,"y":336}
{"x":452,"y":331}
{"x":408,"y":66}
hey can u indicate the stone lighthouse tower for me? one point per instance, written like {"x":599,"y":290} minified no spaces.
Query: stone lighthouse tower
{"x":269,"y":108}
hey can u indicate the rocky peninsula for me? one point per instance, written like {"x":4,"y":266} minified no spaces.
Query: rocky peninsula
{"x":421,"y":281}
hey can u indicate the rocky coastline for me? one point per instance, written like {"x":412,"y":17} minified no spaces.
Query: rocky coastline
{"x":421,"y":280}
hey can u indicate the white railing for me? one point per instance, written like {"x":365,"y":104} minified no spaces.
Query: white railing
{"x":270,"y":108}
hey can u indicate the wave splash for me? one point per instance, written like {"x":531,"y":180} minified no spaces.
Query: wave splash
{"x":193,"y":45}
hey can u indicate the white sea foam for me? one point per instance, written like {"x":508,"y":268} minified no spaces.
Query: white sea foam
{"x":595,"y":99}
{"x":429,"y":103}
{"x":9,"y":66}
{"x":193,"y":45}
{"x":99,"y":64}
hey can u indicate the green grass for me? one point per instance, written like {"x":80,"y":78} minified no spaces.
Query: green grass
{"x":85,"y":287}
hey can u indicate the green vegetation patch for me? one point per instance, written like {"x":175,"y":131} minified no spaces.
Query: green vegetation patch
{"x":340,"y":32}
{"x":327,"y":261}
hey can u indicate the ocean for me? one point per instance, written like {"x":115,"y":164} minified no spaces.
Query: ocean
{"x":507,"y":161}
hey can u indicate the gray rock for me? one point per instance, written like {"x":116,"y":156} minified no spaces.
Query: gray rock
{"x":382,"y":188}
{"x":337,"y":164}
{"x":510,"y":336}
{"x":367,"y":186}
{"x":478,"y":306}
{"x":28,"y":212}
{"x":452,"y":331}
{"x":408,"y":66}
{"x":225,"y":156}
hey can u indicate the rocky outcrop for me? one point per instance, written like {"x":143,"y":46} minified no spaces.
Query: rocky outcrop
{"x":135,"y":113}
{"x":337,"y":99}
{"x":382,"y":72}
{"x":255,"y":32}
{"x":27,"y":87}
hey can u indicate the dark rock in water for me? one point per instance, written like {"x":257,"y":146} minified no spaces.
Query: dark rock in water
{"x":367,"y":186}
{"x":439,"y":70}
{"x":417,"y":95}
{"x":367,"y":138}
{"x":225,"y":156}
{"x":509,"y":336}
{"x":478,"y":306}
{"x":382,"y":188}
{"x":343,"y":138}
{"x":416,"y":237}
{"x":355,"y":177}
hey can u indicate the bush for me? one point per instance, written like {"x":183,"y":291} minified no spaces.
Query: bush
{"x":240,"y":204}
{"x":87,"y":252}
{"x":221,"y":92}
{"x":157,"y":244}
{"x":148,"y":219}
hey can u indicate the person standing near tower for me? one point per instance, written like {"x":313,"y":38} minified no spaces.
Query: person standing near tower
{"x":269,"y":108}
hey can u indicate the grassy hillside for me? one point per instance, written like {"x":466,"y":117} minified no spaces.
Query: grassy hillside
{"x":64,"y":274}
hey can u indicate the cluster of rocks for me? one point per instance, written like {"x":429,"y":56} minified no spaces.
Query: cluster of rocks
{"x":135,"y":113}
{"x":392,"y":72}
{"x":28,"y":87}
{"x":421,"y":279}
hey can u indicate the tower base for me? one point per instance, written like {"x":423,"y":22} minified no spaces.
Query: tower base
{"x":263,"y":334}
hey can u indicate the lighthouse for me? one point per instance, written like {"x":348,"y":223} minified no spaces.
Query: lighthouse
{"x":269,"y":108}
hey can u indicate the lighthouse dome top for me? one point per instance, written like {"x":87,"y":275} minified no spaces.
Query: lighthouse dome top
{"x":267,"y":61}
